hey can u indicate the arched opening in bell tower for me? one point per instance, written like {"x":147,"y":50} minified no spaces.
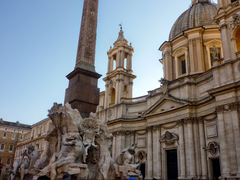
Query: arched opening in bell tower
{"x":237,"y":37}
{"x":112,"y":95}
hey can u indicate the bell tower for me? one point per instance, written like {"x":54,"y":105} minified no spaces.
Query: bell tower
{"x":119,"y":79}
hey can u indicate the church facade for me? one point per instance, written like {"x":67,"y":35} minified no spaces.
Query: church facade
{"x":189,"y":127}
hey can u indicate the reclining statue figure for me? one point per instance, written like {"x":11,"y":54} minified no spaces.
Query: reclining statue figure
{"x":29,"y":157}
{"x":75,"y":141}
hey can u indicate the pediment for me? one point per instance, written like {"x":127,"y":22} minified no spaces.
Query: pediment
{"x":165,"y":104}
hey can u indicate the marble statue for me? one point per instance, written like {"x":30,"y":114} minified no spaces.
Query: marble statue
{"x":29,"y":158}
{"x":72,"y":157}
{"x":84,"y":149}
{"x":126,"y":168}
{"x":214,"y":52}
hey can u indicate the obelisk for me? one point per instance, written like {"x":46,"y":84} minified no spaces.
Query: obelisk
{"x":82,"y":92}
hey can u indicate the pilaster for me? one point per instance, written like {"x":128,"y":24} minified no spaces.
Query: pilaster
{"x":182,"y":150}
{"x":149,"y":175}
{"x":156,"y":153}
{"x":202,"y":151}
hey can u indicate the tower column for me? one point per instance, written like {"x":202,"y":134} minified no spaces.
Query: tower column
{"x":121,"y":58}
{"x":129,"y":62}
{"x":106,"y":102}
{"x":110,"y":64}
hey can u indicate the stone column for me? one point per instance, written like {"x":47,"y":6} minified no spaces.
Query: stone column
{"x":156,"y":153}
{"x":122,"y":137}
{"x":106,"y":102}
{"x":122,"y":59}
{"x":129,"y":62}
{"x":197,"y":148}
{"x":182,"y":151}
{"x":202,"y":151}
{"x":226,"y":44}
{"x":110,"y":64}
{"x":149,"y":155}
{"x":192,"y":160}
{"x":168,"y":69}
{"x":117,"y":91}
{"x":132,"y":140}
{"x":114,"y":147}
{"x":118,"y":59}
{"x":235,"y":121}
{"x":223,"y":144}
{"x":120,"y":89}
{"x":230,"y":141}
{"x":191,"y":55}
{"x":130,"y":86}
{"x":200,"y":55}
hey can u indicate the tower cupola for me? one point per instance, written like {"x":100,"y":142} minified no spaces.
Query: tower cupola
{"x":119,"y":79}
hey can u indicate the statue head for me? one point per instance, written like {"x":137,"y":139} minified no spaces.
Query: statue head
{"x":30,"y":148}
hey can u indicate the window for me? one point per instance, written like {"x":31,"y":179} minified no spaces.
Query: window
{"x":8,"y":161}
{"x":183,"y":64}
{"x":11,"y":147}
{"x":13,"y":136}
{"x":4,"y":135}
{"x":237,"y":39}
{"x":180,"y":55}
{"x":2,"y":147}
{"x":21,"y":136}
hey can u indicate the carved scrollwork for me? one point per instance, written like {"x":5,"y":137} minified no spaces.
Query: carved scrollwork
{"x":169,"y":138}
{"x":213,"y":148}
{"x":227,"y":107}
{"x":235,"y":22}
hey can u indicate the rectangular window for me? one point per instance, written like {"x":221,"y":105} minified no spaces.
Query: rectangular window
{"x":4,"y":135}
{"x":21,"y":136}
{"x":13,"y":136}
{"x":11,"y":147}
{"x":8,"y":161}
{"x":183,"y":63}
{"x":2,"y":147}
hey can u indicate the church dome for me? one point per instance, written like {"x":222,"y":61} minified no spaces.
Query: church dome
{"x":201,"y":13}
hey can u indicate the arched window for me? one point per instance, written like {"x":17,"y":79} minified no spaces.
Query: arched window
{"x":237,"y":37}
{"x":113,"y":94}
{"x":181,"y":55}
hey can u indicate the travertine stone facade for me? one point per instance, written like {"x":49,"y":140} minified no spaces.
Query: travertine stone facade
{"x":189,"y":126}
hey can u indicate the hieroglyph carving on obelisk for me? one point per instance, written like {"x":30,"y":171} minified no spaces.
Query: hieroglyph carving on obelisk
{"x":88,"y":33}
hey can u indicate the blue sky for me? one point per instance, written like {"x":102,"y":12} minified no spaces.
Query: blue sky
{"x":38,"y":45}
